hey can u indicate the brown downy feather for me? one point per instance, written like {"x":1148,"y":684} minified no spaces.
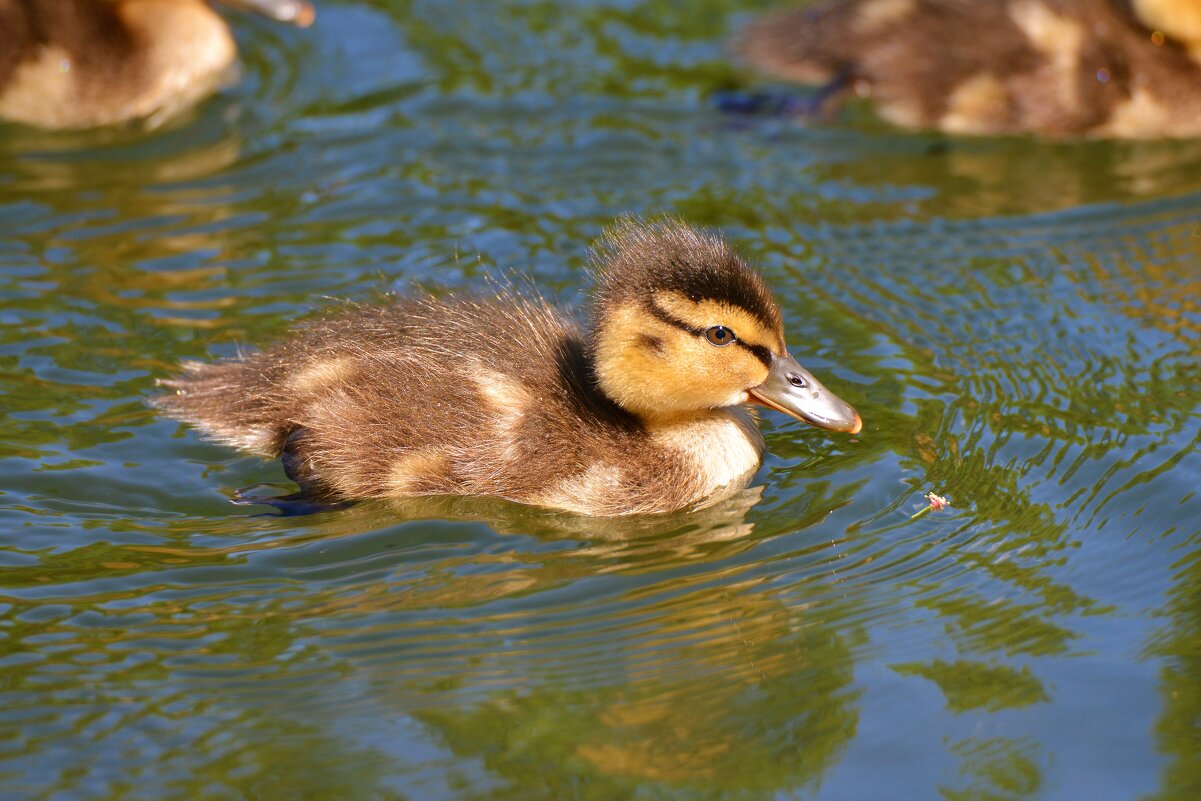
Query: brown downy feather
{"x":471,"y":396}
{"x":411,"y":399}
{"x":86,"y":63}
{"x":1053,"y":67}
{"x":89,"y":34}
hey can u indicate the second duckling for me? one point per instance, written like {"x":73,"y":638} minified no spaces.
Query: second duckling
{"x":1058,"y":68}
{"x":506,"y":397}
{"x":86,"y":63}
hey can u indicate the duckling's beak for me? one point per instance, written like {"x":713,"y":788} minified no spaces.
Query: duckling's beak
{"x":295,"y":12}
{"x":792,"y":389}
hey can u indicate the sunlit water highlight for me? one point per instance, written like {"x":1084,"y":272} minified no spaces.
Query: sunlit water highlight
{"x":1016,"y":321}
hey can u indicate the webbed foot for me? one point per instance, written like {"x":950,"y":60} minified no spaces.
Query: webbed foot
{"x":291,"y":505}
{"x":783,"y":102}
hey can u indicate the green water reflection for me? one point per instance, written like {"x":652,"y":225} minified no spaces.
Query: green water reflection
{"x":1017,"y":322}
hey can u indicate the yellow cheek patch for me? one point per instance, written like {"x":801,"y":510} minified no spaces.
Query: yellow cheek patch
{"x":705,"y":313}
{"x":683,"y":373}
{"x":630,"y":372}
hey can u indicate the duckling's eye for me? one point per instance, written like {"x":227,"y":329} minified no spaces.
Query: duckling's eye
{"x":719,"y":335}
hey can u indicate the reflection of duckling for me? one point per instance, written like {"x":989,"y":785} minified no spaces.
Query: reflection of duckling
{"x":83,"y":63}
{"x":1054,"y":67}
{"x":507,"y":398}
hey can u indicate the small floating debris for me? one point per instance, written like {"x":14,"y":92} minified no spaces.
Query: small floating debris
{"x":937,"y":504}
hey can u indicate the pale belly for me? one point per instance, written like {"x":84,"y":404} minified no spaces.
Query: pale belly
{"x":724,"y":449}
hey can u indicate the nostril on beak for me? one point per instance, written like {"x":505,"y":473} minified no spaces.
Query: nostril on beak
{"x":796,"y":380}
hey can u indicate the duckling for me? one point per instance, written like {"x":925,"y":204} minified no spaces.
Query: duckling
{"x":87,"y":63}
{"x":507,"y":397}
{"x":1058,"y":68}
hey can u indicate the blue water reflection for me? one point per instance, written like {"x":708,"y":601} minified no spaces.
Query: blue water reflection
{"x":1016,"y":321}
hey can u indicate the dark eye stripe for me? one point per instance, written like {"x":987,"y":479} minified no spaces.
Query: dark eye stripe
{"x":760,"y":352}
{"x":671,"y":320}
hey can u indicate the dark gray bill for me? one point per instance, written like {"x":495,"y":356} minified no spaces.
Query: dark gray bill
{"x":792,"y":389}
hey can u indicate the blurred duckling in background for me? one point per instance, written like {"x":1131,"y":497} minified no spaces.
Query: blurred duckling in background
{"x":506,"y":397}
{"x":1059,"y":68}
{"x":86,"y":63}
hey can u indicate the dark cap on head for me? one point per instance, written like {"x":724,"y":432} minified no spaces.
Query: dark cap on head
{"x":633,"y":260}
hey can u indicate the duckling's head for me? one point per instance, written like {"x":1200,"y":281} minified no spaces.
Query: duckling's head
{"x":682,"y":324}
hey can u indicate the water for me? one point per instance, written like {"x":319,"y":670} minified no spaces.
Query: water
{"x":1016,"y":321}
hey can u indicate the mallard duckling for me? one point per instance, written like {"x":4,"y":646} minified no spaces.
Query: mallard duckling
{"x":86,"y":63}
{"x":507,"y":397}
{"x":1060,"y":68}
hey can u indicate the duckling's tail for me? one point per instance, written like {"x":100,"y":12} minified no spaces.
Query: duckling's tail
{"x":228,"y":403}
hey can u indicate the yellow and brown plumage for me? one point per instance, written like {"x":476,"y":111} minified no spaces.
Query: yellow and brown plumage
{"x":86,"y":63}
{"x":507,"y":397}
{"x":1060,"y":68}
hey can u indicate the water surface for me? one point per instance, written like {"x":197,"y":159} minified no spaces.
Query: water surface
{"x":1016,"y":321}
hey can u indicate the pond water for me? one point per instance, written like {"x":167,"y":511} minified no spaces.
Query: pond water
{"x":1017,"y":322}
